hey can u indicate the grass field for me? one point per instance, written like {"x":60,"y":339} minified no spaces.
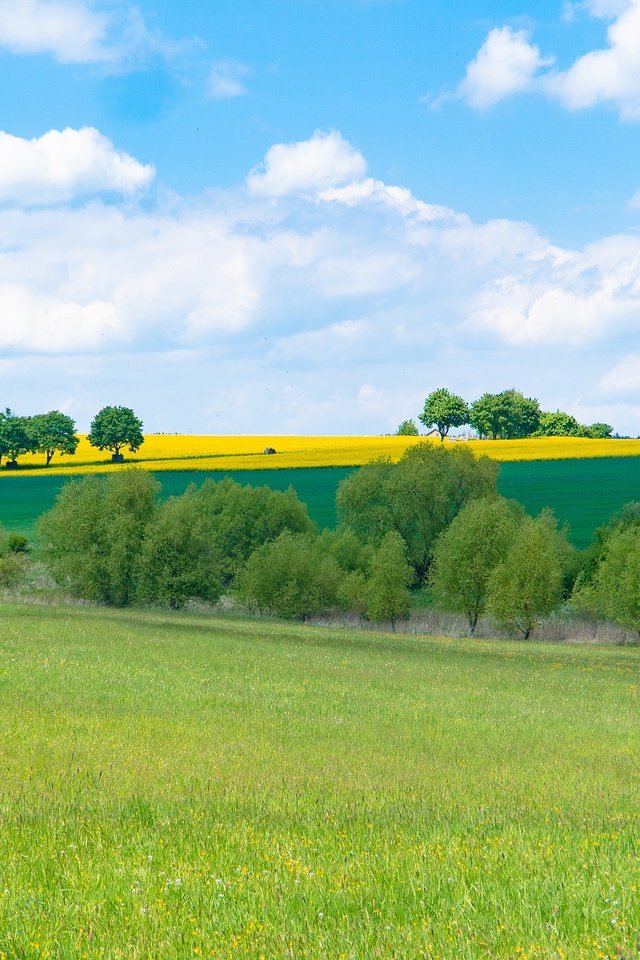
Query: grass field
{"x":186,"y":452}
{"x":583,"y":493}
{"x":177,"y":786}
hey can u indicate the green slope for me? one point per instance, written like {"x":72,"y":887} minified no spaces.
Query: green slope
{"x":181,"y":786}
{"x":583,"y":493}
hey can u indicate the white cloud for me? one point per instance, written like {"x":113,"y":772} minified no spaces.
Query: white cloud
{"x":295,"y":301}
{"x":227,"y":80}
{"x":509,"y":63}
{"x":73,"y":31}
{"x":63,"y":164}
{"x":506,"y":64}
{"x":326,"y":160}
{"x":610,"y":75}
{"x":624,"y":377}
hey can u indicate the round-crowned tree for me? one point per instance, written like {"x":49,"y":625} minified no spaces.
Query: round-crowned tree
{"x":115,"y":428}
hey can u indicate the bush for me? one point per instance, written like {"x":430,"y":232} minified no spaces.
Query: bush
{"x":92,"y":537}
{"x":179,"y":557}
{"x":417,"y":497}
{"x":292,"y":576}
{"x":469,"y":550}
{"x":17,"y":543}
{"x":613,"y":593}
{"x":389,"y":576}
{"x":527,"y":584}
{"x":12,"y":571}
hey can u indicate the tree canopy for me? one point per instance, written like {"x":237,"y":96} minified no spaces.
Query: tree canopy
{"x":417,"y":497}
{"x":468,"y":551}
{"x":444,"y":410}
{"x":114,"y":428}
{"x":51,"y":432}
{"x":15,"y":437}
{"x":507,"y":415}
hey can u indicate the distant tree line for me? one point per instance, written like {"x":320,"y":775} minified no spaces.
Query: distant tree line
{"x":507,"y":415}
{"x":113,"y":429}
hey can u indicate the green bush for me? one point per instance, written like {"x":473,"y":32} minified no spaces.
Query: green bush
{"x":12,"y":571}
{"x":17,"y":543}
{"x":92,"y":537}
{"x":417,"y":497}
{"x":179,"y":557}
{"x":292,"y":576}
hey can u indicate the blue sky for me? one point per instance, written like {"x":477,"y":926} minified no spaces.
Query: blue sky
{"x":275,"y":216}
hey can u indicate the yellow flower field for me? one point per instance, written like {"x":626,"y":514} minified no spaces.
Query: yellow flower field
{"x":185,"y":452}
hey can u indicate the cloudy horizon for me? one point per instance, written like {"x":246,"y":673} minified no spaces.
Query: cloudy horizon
{"x":194,"y":223}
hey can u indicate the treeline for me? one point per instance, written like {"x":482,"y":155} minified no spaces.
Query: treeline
{"x":507,"y":415}
{"x":433,"y":520}
{"x":112,"y":428}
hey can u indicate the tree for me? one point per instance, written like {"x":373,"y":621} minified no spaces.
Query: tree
{"x":292,"y":576}
{"x":53,"y":431}
{"x":507,"y":415}
{"x":444,"y":410}
{"x":613,"y":593}
{"x":528,"y":583}
{"x":558,"y":424}
{"x":600,"y":431}
{"x":15,"y":437}
{"x":242,"y":518}
{"x":114,"y":428}
{"x":92,"y":537}
{"x":179,"y":557}
{"x":468,"y":551}
{"x":389,"y":577}
{"x":417,"y":497}
{"x":407,"y":429}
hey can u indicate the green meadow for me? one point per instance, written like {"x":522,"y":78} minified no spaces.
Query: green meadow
{"x":189,"y":786}
{"x":582,"y":493}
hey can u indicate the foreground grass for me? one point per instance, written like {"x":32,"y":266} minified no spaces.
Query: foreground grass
{"x":176,"y":786}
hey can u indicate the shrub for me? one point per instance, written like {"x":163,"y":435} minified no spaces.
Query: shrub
{"x":389,"y":576}
{"x":92,"y":537}
{"x":292,"y":576}
{"x":17,"y":543}
{"x":417,"y":497}
{"x":179,"y":557}
{"x":12,"y":571}
{"x":469,"y":550}
{"x":527,"y":584}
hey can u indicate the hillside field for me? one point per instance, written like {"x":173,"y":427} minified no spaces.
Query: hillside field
{"x":182,"y":786}
{"x":582,"y":493}
{"x":206,"y":453}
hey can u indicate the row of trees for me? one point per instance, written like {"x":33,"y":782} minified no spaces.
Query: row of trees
{"x":434,"y":519}
{"x":113,"y":428}
{"x":111,"y":540}
{"x":507,"y":415}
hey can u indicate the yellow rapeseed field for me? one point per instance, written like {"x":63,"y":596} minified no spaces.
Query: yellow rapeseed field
{"x":186,"y":452}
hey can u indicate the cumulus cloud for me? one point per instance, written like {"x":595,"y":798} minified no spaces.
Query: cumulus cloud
{"x":227,"y":80}
{"x":506,"y":64}
{"x":609,"y":75}
{"x":624,"y":377}
{"x":73,"y":31}
{"x":509,"y":63}
{"x":326,"y":160}
{"x":281,"y":304}
{"x":63,"y":164}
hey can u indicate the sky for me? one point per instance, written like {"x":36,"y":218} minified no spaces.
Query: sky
{"x":303,"y":216}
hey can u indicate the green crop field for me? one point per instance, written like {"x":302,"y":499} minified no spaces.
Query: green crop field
{"x":582,"y":493}
{"x":182,"y":786}
{"x":23,"y":498}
